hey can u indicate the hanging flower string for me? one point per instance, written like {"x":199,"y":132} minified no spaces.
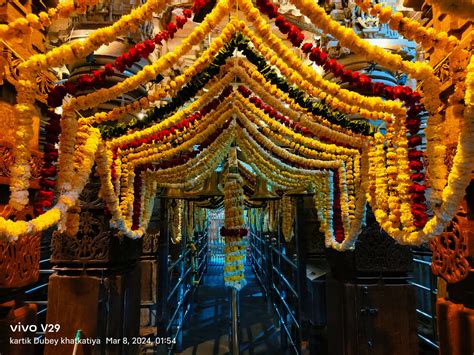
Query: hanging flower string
{"x":233,"y":229}
{"x":361,"y":81}
{"x":55,"y":98}
{"x":201,"y":79}
{"x":45,"y":196}
{"x":122,"y":62}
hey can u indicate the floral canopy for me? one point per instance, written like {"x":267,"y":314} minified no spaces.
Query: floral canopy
{"x":292,"y":125}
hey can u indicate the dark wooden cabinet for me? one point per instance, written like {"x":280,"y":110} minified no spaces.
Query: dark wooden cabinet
{"x":371,"y":319}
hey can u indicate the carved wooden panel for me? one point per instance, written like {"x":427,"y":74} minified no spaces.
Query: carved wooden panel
{"x":450,"y":249}
{"x":6,"y":160}
{"x":19,"y":264}
{"x":95,"y":242}
{"x":150,"y":243}
{"x":376,"y":252}
{"x":90,"y":243}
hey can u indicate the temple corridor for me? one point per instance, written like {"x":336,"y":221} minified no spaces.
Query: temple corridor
{"x":209,"y":325}
{"x":236,"y":177}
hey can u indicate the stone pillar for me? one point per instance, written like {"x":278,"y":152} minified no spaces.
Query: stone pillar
{"x":370,"y":305}
{"x":97,"y":285}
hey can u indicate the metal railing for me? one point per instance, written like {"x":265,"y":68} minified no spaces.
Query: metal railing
{"x":184,"y":276}
{"x":285,"y":294}
{"x":425,"y":286}
{"x":277,"y":273}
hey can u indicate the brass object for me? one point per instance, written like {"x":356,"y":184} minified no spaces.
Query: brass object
{"x":262,"y":193}
{"x":300,"y":191}
{"x":171,"y":193}
{"x":211,"y":187}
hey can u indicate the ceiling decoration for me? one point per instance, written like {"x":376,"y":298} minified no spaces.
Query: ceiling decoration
{"x":249,"y":91}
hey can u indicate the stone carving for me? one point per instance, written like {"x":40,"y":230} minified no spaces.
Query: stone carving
{"x":89,"y":244}
{"x":450,"y":249}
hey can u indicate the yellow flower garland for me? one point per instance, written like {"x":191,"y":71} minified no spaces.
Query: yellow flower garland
{"x":22,"y":26}
{"x":410,"y":29}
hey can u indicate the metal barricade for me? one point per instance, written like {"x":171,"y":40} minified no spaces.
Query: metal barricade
{"x":425,"y":286}
{"x":285,"y":294}
{"x":278,"y":275}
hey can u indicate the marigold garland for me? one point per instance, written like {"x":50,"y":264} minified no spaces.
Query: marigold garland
{"x":233,"y":230}
{"x":410,"y":29}
{"x":389,"y":170}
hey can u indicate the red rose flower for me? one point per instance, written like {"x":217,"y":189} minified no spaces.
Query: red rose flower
{"x":171,"y":27}
{"x":416,"y":188}
{"x":414,"y":154}
{"x":47,"y":183}
{"x":283,"y":25}
{"x":306,"y":48}
{"x":56,"y":96}
{"x":44,"y":203}
{"x":109,"y":69}
{"x":119,"y":64}
{"x":415,"y":165}
{"x":364,"y":81}
{"x":330,"y":64}
{"x":338,"y":70}
{"x":314,"y":55}
{"x":347,"y":75}
{"x":417,"y":177}
{"x":413,"y":141}
{"x":48,"y":147}
{"x":70,"y":87}
{"x":180,"y":21}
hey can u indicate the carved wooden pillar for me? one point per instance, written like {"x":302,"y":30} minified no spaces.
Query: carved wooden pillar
{"x":19,"y":267}
{"x":453,"y":260}
{"x":371,"y":307}
{"x":97,"y":285}
{"x":19,"y":261}
{"x":149,"y":277}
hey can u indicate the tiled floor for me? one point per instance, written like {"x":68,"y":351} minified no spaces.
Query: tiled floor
{"x":209,"y":324}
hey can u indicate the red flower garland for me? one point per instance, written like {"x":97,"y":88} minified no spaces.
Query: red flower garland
{"x":270,"y":111}
{"x":406,"y":94}
{"x":185,"y":123}
{"x":45,"y":196}
{"x":337,"y":211}
{"x":88,"y":81}
{"x":238,"y":232}
{"x":126,"y":60}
